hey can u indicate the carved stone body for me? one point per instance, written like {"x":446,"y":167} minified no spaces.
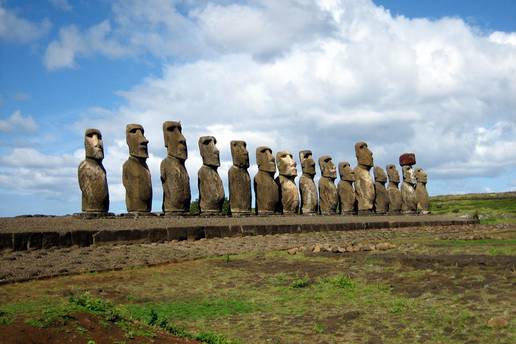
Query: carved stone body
{"x":393,"y":189}
{"x":92,"y":175}
{"x":328,"y":196}
{"x":345,"y":189}
{"x":136,"y":176}
{"x":408,"y":191}
{"x":364,"y":186}
{"x":381,"y":200}
{"x":307,"y":187}
{"x":289,"y":195}
{"x":174,"y":176}
{"x":266,"y":189}
{"x":211,"y":190}
{"x":239,"y":180}
{"x":422,"y":198}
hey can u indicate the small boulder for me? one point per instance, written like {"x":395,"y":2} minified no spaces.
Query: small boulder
{"x":498,"y":322}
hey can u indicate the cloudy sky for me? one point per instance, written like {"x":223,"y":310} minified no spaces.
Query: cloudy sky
{"x":437,"y":78}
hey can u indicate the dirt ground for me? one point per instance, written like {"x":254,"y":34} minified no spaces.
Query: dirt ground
{"x":36,"y":264}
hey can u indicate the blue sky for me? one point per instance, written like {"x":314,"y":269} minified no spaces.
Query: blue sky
{"x":435,"y":77}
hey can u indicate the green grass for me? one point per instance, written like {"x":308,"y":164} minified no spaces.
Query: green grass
{"x":490,"y":211}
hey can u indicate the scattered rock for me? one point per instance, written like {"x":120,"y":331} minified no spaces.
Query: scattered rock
{"x":292,"y":251}
{"x":384,"y":246}
{"x":498,"y":322}
{"x":316,"y":249}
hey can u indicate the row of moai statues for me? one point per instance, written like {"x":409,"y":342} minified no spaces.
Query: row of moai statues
{"x":356,"y":193}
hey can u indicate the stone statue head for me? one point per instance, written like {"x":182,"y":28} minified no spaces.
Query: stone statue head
{"x":421,"y":175}
{"x":307,"y":162}
{"x":93,"y":144}
{"x":364,"y":155}
{"x":327,"y":167}
{"x":209,"y":151}
{"x":286,"y":164}
{"x":240,"y":154}
{"x":136,"y":141}
{"x":392,"y":173}
{"x":346,"y":172}
{"x":174,"y":140}
{"x":265,"y":159}
{"x":379,"y":175}
{"x":408,"y":175}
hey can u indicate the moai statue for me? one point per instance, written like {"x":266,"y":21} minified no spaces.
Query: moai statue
{"x":408,"y":192}
{"x":265,"y":188}
{"x":211,"y":190}
{"x":393,"y":190}
{"x":239,"y":180}
{"x":422,"y":198}
{"x":135,"y":172}
{"x":364,"y":186}
{"x":174,"y":176}
{"x":381,"y":199}
{"x":328,"y":197}
{"x":345,"y":189}
{"x":307,"y":185}
{"x":92,"y":175}
{"x":289,"y":195}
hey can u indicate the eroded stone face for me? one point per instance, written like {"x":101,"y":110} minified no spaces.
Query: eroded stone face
{"x":174,"y":140}
{"x":209,"y":151}
{"x":381,"y":201}
{"x":408,"y":175}
{"x":363,"y":154}
{"x":93,"y":144}
{"x":265,"y":159}
{"x":395,"y":200}
{"x":136,"y":141}
{"x":286,"y":164}
{"x":307,"y":162}
{"x":346,"y":172}
{"x":422,"y":197}
{"x":408,"y":192}
{"x":92,"y":175}
{"x":420,"y":175}
{"x":328,"y":169}
{"x":379,"y":175}
{"x":393,"y":174}
{"x":239,"y":154}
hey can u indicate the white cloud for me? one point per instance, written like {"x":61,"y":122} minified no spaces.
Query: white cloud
{"x":19,"y":30}
{"x":18,"y":122}
{"x":503,"y":37}
{"x":61,"y":4}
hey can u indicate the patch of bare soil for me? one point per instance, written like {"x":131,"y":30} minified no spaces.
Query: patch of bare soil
{"x":80,"y":329}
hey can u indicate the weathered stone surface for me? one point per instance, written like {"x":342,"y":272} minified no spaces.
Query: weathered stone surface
{"x":328,"y":197}
{"x":381,"y":200}
{"x":266,"y":189}
{"x":174,"y":176}
{"x":211,"y":190}
{"x":136,"y":176}
{"x":92,"y":175}
{"x":239,"y":180}
{"x":407,"y":159}
{"x":393,"y":189}
{"x":364,"y":186}
{"x":422,"y":198}
{"x":408,"y":191}
{"x":289,"y":195}
{"x":345,"y":189}
{"x":307,"y":187}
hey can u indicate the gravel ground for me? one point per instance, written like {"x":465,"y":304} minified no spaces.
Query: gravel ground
{"x":35,"y":264}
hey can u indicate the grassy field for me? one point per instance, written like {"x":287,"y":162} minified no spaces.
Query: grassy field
{"x":490,"y":208}
{"x":429,"y":289}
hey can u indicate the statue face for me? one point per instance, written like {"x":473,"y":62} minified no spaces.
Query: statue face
{"x":379,"y":175}
{"x":265,"y":159}
{"x":209,"y":152}
{"x":346,"y":172}
{"x":392,"y":172}
{"x":286,"y":164}
{"x":421,"y":175}
{"x":408,"y":175}
{"x":327,"y":167}
{"x":307,"y":162}
{"x":93,"y":144}
{"x":174,"y":140}
{"x":364,"y":155}
{"x":240,"y":154}
{"x":136,"y":141}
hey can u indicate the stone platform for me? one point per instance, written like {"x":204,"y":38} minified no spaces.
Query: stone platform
{"x":26,"y":233}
